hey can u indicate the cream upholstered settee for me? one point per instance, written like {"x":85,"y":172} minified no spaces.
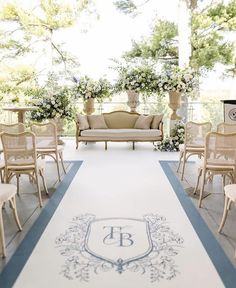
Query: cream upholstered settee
{"x":119,"y":126}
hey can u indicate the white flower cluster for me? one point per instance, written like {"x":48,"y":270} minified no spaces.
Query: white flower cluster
{"x":88,"y":88}
{"x":176,"y":79}
{"x":55,"y":106}
{"x":171,"y":144}
{"x":139,"y":79}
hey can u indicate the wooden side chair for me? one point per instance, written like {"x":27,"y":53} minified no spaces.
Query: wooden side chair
{"x":46,"y":144}
{"x":21,"y":158}
{"x":230,"y":197}
{"x":226,"y":128}
{"x":7,"y":193}
{"x":219,"y":158}
{"x":194,"y":142}
{"x":11,"y":128}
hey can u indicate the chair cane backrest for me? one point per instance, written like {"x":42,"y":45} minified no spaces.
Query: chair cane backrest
{"x":12,"y":128}
{"x":226,"y":128}
{"x":46,"y":135}
{"x":19,"y":149}
{"x":220,"y":149}
{"x":195,"y":133}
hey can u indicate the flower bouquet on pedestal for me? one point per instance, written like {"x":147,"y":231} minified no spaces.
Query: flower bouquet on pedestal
{"x":136,"y":80}
{"x":89,"y":90}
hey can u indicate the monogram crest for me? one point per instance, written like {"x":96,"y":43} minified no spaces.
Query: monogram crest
{"x":146,"y":246}
{"x":118,"y":241}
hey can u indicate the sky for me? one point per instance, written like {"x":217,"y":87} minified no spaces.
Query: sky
{"x":112,"y":34}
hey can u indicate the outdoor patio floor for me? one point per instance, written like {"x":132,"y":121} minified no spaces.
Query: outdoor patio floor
{"x":211,"y":211}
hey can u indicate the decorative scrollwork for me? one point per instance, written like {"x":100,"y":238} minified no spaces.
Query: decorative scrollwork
{"x":158,"y":264}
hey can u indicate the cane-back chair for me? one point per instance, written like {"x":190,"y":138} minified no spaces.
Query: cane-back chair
{"x":194,"y":142}
{"x":46,"y":143}
{"x":7,"y":193}
{"x":21,"y":158}
{"x":226,"y":128}
{"x":219,"y":158}
{"x":11,"y":128}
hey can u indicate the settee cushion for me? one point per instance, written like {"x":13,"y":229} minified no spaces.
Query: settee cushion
{"x":156,"y":121}
{"x":143,"y":122}
{"x":97,"y":122}
{"x":122,"y":134}
{"x":83,"y":122}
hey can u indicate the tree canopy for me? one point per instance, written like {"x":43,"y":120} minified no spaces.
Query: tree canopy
{"x":25,"y":30}
{"x":209,"y":26}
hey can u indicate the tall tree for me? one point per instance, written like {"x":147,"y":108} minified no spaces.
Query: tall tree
{"x":26,"y":30}
{"x":208,"y":27}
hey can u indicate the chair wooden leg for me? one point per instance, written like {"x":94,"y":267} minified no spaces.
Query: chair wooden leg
{"x":105,"y":145}
{"x":58,"y":169}
{"x":1,"y":175}
{"x":62,"y":162}
{"x":198,"y":178}
{"x":38,"y":188}
{"x":133,"y":145}
{"x":180,"y":159}
{"x":202,"y":188}
{"x":18,"y":184}
{"x":183,"y":168}
{"x":2,"y":237}
{"x":13,"y":204}
{"x":44,"y":183}
{"x":225,"y":213}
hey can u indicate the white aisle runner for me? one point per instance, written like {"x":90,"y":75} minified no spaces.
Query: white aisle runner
{"x":119,"y":224}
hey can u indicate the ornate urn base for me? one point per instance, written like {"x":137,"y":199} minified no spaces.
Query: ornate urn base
{"x":89,"y":106}
{"x":174,"y":104}
{"x":133,"y":100}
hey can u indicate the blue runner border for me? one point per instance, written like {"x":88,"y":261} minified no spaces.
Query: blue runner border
{"x":13,"y":268}
{"x":224,"y":267}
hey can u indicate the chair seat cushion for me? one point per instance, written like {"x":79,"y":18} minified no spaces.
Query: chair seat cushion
{"x":7,"y":192}
{"x":121,"y":133}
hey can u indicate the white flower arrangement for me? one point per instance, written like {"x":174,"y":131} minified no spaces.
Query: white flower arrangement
{"x":171,"y":144}
{"x":141,"y":79}
{"x":58,"y":105}
{"x":176,"y":79}
{"x":87,"y":88}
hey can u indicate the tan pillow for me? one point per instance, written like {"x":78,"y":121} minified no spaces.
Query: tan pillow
{"x":156,"y":121}
{"x":97,"y":122}
{"x":83,"y":122}
{"x":143,"y":122}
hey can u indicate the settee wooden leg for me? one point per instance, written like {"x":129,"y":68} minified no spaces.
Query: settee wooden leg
{"x":105,"y":145}
{"x":77,"y":144}
{"x":133,"y":145}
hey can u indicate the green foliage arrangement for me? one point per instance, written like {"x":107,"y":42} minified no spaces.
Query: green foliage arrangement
{"x":171,"y":144}
{"x":141,"y":79}
{"x":86,"y":88}
{"x":55,"y":105}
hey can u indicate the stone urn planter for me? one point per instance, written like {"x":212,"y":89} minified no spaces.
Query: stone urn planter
{"x":133,"y":100}
{"x":174,"y":104}
{"x":89,"y":106}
